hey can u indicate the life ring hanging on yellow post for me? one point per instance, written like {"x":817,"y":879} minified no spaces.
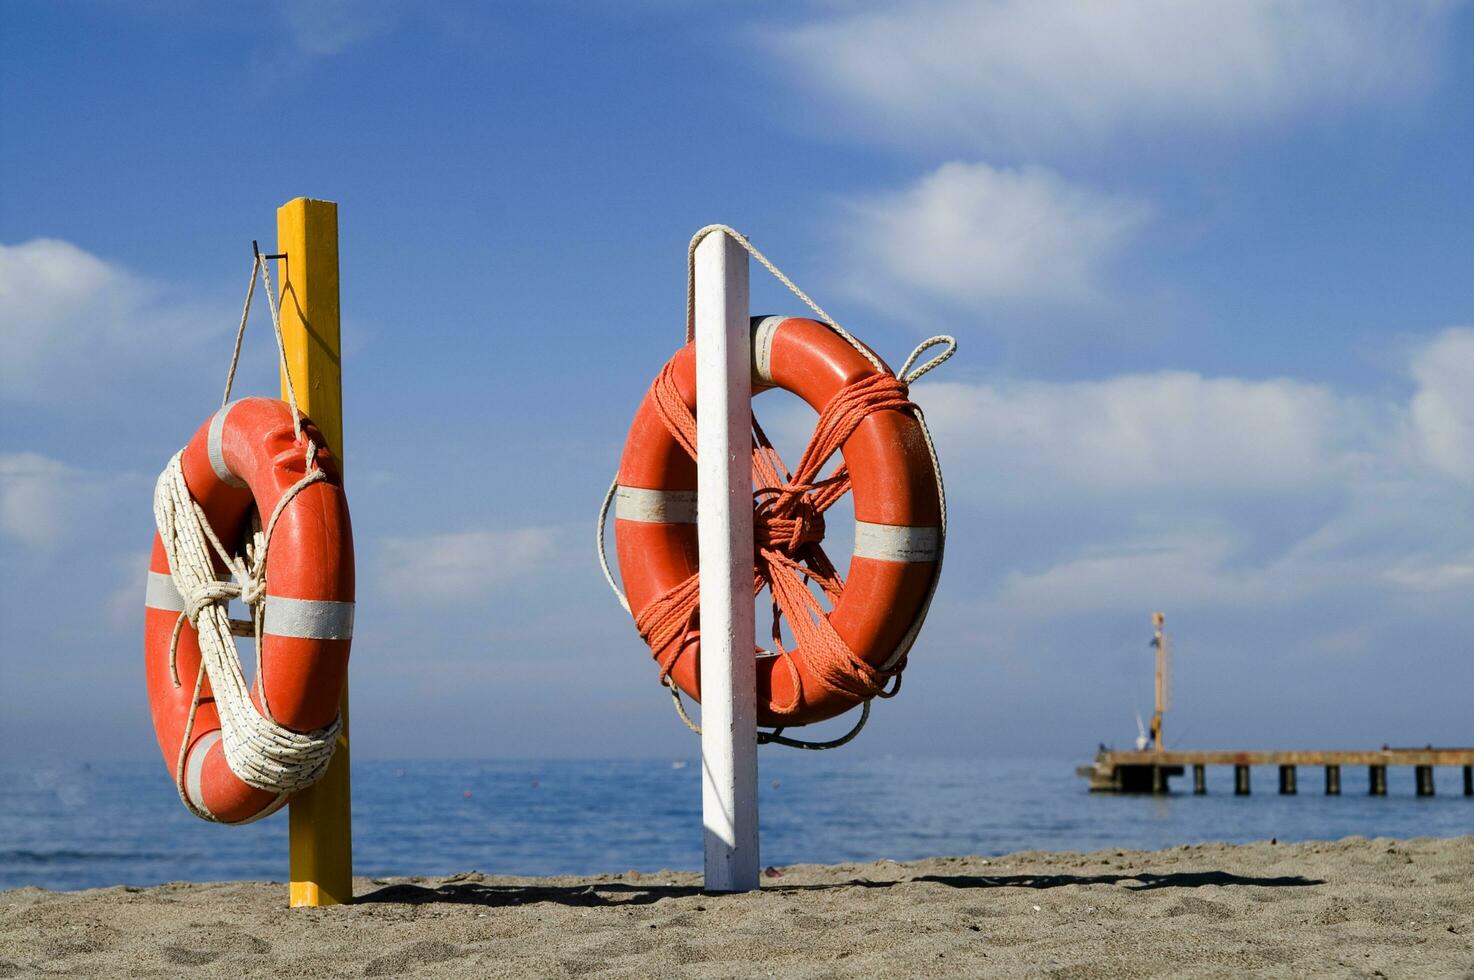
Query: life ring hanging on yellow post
{"x":252,"y":508}
{"x":242,"y":463}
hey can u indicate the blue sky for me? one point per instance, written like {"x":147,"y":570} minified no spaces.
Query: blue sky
{"x":1209,"y":265}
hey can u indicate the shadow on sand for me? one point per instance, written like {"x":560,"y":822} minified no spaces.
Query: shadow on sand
{"x":1145,"y":881}
{"x":626,"y":893}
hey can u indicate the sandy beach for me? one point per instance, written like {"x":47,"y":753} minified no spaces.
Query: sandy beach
{"x":1353,"y":908}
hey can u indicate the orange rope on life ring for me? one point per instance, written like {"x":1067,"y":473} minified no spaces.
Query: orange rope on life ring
{"x":241,"y":463}
{"x":840,"y":657}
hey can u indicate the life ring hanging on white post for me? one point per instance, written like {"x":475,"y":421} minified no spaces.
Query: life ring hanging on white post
{"x":725,"y":535}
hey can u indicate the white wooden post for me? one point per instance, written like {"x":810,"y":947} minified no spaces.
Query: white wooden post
{"x":724,"y":531}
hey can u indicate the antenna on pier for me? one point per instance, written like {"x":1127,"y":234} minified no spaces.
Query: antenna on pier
{"x":1164,"y":667}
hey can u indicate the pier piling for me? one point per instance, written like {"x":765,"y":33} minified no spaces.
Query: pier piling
{"x":1469,"y":780}
{"x":1200,"y":780}
{"x":1240,"y":780}
{"x":1333,"y":780}
{"x":1376,"y":780}
{"x":1287,"y":780}
{"x":1425,"y":780}
{"x":1159,"y":780}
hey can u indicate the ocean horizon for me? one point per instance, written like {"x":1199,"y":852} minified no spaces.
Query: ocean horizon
{"x":72,"y":826}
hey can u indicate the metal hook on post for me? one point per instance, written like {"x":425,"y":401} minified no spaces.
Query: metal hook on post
{"x":256,"y":248}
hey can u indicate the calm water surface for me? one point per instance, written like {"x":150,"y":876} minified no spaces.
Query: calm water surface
{"x":80,"y":826}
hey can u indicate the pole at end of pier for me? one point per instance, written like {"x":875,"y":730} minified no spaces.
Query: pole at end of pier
{"x":1159,"y":641}
{"x":724,"y":536}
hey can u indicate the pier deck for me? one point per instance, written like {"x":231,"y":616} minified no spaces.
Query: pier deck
{"x":1149,"y":771}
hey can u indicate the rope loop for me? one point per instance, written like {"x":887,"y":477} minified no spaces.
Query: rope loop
{"x":909,"y":376}
{"x":260,"y":268}
{"x":776,"y":736}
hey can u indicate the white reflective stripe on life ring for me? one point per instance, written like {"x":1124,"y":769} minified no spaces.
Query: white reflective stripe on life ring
{"x":763,"y":329}
{"x":308,"y":619}
{"x":655,"y":506}
{"x":890,"y":542}
{"x":161,"y":593}
{"x":194,"y":767}
{"x":217,"y":454}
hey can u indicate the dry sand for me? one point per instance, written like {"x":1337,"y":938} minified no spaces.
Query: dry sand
{"x":1354,"y":908}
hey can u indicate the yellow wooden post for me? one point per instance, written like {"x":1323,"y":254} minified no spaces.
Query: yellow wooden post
{"x":307,"y":235}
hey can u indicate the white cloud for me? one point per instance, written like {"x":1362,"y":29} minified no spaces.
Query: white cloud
{"x":1209,"y":565}
{"x":70,"y":321}
{"x":999,"y":74}
{"x":55,"y":301}
{"x":36,"y":497}
{"x":1171,"y":429}
{"x":446,"y":569}
{"x":51,"y":505}
{"x":1186,"y":569}
{"x":971,"y":235}
{"x":327,"y":27}
{"x":1226,"y":494}
{"x":1443,"y":407}
{"x":1419,"y":574}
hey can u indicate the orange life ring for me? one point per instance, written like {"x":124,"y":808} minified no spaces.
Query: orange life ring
{"x":897,"y":512}
{"x":247,"y":456}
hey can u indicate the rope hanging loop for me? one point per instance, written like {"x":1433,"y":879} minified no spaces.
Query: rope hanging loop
{"x":842,"y":654}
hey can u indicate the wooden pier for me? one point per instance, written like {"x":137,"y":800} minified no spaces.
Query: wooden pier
{"x":1148,"y":771}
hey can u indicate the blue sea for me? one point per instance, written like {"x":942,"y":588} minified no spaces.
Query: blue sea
{"x":83,"y":826}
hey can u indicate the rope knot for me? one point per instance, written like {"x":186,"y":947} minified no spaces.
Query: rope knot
{"x":206,"y":594}
{"x":254,"y":591}
{"x":787,"y":522}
